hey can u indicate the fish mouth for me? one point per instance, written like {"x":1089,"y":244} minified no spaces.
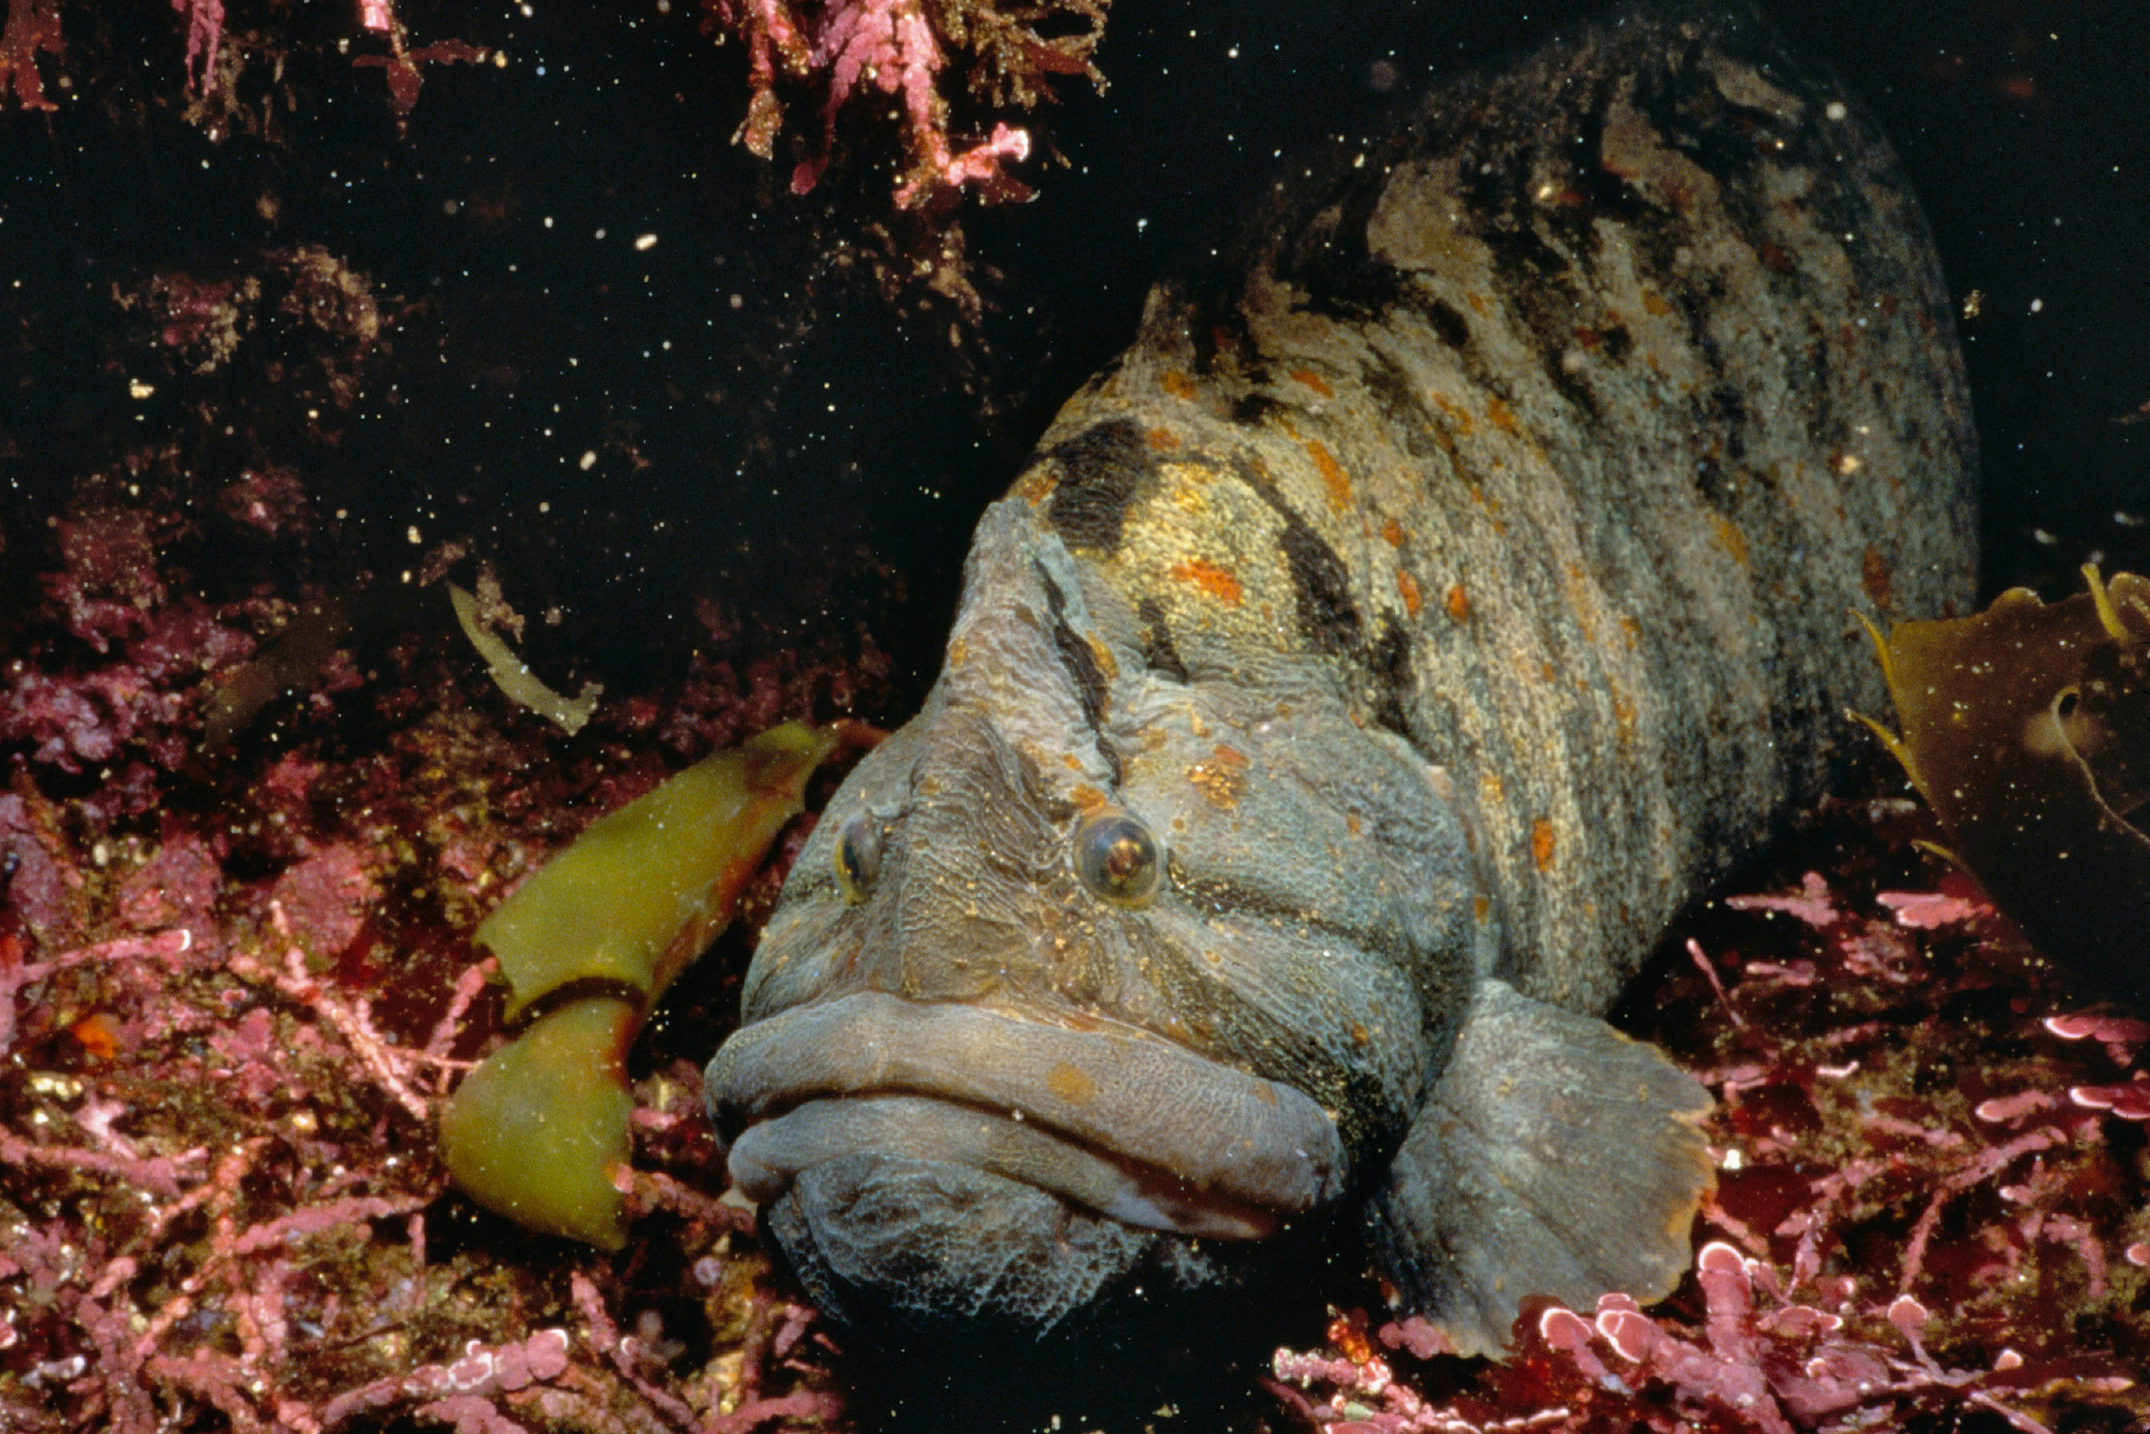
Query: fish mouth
{"x":1109,"y":1120}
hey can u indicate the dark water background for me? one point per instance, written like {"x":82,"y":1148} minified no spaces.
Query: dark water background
{"x":769,"y":428}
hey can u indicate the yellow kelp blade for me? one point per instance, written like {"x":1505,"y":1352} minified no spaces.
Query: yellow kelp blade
{"x":642,"y":891}
{"x":538,"y":1130}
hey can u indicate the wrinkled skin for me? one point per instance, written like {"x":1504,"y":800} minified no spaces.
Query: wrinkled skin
{"x":1445,"y":588}
{"x":977,"y":802}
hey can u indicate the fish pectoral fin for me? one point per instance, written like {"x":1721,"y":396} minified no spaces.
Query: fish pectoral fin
{"x":1554,"y":1157}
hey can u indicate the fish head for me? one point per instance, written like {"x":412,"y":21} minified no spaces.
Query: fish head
{"x":1089,"y":971}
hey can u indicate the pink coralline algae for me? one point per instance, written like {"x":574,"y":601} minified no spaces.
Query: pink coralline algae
{"x":856,"y":49}
{"x":1760,"y":1360}
{"x":118,"y":688}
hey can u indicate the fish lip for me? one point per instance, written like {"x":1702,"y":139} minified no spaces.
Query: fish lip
{"x":1233,"y":1147}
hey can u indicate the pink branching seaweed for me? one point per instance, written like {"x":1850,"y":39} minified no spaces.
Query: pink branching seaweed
{"x":1812,"y":905}
{"x":1759,"y":1361}
{"x":205,"y":32}
{"x":851,"y":49}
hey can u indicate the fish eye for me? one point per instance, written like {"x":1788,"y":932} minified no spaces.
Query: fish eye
{"x":1117,"y":857}
{"x":858,"y":855}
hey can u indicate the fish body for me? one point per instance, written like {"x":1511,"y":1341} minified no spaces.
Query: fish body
{"x":1454,"y":578}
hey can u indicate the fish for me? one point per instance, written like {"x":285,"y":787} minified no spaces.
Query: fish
{"x":1461,"y":570}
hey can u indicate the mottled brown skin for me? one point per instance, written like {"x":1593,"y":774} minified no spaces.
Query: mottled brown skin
{"x":1456,"y":578}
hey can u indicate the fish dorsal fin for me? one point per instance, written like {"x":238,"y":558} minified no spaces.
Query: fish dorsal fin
{"x":1555,"y":1157}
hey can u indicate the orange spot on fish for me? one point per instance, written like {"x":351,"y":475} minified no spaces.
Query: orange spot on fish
{"x":1314,"y":381}
{"x":1408,"y":586}
{"x":1266,"y":1093}
{"x":1071,"y":1083}
{"x":1162,"y":438}
{"x":1221,"y":777}
{"x":1730,"y":538}
{"x":1087,"y":798}
{"x":1035,"y":486}
{"x":1480,"y":908}
{"x":1776,"y":258}
{"x":1458,"y":602}
{"x":1631,"y":630}
{"x":1654,"y":303}
{"x":1211,"y":579}
{"x":1459,"y":418}
{"x":1178,"y":384}
{"x":99,"y":1035}
{"x":1333,"y":476}
{"x":1541,"y":843}
{"x":1500,"y":415}
{"x":1392,"y":533}
{"x":1875,"y":577}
